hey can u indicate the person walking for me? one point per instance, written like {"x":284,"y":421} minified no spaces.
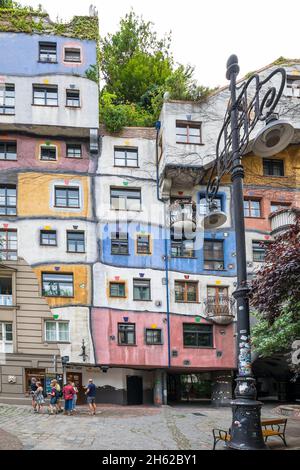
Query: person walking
{"x":74,"y":396}
{"x":33,"y":387}
{"x":91,"y":396}
{"x":58,"y":396}
{"x":39,"y":397}
{"x":53,"y":399}
{"x":68,"y":393}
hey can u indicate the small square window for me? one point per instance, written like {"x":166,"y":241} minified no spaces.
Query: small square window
{"x":8,"y":150}
{"x":273,"y":167}
{"x":48,"y":153}
{"x":67,"y":197}
{"x":75,"y":242}
{"x":74,"y":151}
{"x":47,"y":52}
{"x":153,"y":336}
{"x":72,"y":54}
{"x":141,"y":289}
{"x":117,"y":289}
{"x":126,"y":333}
{"x":119,"y":243}
{"x":252,"y":208}
{"x":143,"y":245}
{"x":7,"y":99}
{"x":126,"y":156}
{"x":48,"y":238}
{"x":57,"y":285}
{"x":188,"y":132}
{"x":73,"y":98}
{"x":45,"y":95}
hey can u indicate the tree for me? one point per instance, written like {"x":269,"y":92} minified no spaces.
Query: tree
{"x":275,"y":294}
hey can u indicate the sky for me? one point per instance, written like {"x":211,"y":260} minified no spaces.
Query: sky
{"x":205,"y":32}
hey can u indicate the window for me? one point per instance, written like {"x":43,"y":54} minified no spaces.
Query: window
{"x":126,"y":156}
{"x":47,"y":52}
{"x":153,"y":336}
{"x":125,"y":199}
{"x":204,"y":209}
{"x":7,"y":99}
{"x":8,"y":200}
{"x":213,"y":255}
{"x":182,"y":249}
{"x":45,"y":95}
{"x":57,"y":285}
{"x":8,"y":245}
{"x":126,"y":333}
{"x":6,"y":337}
{"x":143,"y":245}
{"x":72,"y":54}
{"x":119,"y":243}
{"x":74,"y":151}
{"x":57,"y":331}
{"x":48,"y":153}
{"x":141,"y":289}
{"x":251,"y":208}
{"x":73,"y":98}
{"x":48,"y":238}
{"x":67,"y":197}
{"x":293,"y":86}
{"x":117,"y":289}
{"x":188,"y":132}
{"x":217,"y":301}
{"x":186,"y":291}
{"x":273,"y":167}
{"x":75,"y":242}
{"x":259,"y":251}
{"x":276,"y":206}
{"x":197,"y":336}
{"x":8,"y":150}
{"x":6,"y":297}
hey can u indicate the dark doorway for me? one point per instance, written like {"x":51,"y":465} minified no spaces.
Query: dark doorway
{"x":76,"y":377}
{"x":134,"y":390}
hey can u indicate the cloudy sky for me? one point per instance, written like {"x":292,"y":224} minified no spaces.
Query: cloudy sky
{"x":205,"y":32}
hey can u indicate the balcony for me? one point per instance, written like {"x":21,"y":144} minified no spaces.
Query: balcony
{"x":183,"y":217}
{"x":6,"y":300}
{"x":220,"y":310}
{"x":281,"y":220}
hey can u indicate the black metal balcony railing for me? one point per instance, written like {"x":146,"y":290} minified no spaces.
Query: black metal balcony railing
{"x":220,"y":310}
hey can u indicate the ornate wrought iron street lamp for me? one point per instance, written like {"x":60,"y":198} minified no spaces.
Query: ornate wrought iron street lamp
{"x":253,"y":101}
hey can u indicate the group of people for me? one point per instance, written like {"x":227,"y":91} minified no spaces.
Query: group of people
{"x":69,"y":393}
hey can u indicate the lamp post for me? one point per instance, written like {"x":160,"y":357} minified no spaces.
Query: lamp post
{"x":254,"y":100}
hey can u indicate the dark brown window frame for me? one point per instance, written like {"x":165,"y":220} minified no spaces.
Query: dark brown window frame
{"x":185,"y":293}
{"x":189,"y":124}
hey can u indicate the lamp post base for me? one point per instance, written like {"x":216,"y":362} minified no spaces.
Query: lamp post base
{"x":246,"y":432}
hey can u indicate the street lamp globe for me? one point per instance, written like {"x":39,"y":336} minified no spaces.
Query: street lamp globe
{"x":273,"y":138}
{"x":215,"y":218}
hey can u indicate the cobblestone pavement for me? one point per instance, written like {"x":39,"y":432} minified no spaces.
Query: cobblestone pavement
{"x":180,"y":427}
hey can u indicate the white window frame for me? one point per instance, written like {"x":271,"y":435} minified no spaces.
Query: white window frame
{"x":57,"y":340}
{"x":4,"y":342}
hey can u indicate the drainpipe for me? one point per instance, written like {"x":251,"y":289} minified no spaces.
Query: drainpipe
{"x":166,"y":257}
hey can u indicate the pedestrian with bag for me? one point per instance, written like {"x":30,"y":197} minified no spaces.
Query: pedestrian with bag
{"x":68,"y":393}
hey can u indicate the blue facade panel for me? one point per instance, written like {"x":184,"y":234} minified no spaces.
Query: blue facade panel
{"x":19,"y":55}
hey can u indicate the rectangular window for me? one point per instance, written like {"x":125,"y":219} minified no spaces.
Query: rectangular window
{"x":186,"y":291}
{"x":204,"y":209}
{"x":8,"y":150}
{"x":6,"y":292}
{"x":57,"y":285}
{"x":72,"y":54}
{"x":141,"y":289}
{"x":126,"y":156}
{"x":293,"y":86}
{"x":153,"y":336}
{"x":273,"y":167}
{"x":57,"y":331}
{"x":117,"y":289}
{"x":197,"y":336}
{"x":48,"y":237}
{"x":75,"y":242}
{"x":74,"y":151}
{"x":47,"y":52}
{"x":67,"y":197}
{"x":251,"y":208}
{"x":188,"y":132}
{"x":213,"y":255}
{"x":45,"y":95}
{"x":125,"y":199}
{"x":8,"y":200}
{"x":182,"y":249}
{"x":259,"y":251}
{"x":217,"y":302}
{"x":119,"y":243}
{"x":73,"y":98}
{"x":48,"y":153}
{"x":7,"y":98}
{"x":8,"y":245}
{"x":143,"y":245}
{"x":6,"y":337}
{"x":126,"y":333}
{"x":276,"y":206}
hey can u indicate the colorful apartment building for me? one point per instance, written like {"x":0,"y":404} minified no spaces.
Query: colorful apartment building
{"x":106,"y":271}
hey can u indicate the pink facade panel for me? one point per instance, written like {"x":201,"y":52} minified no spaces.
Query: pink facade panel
{"x":104,"y":324}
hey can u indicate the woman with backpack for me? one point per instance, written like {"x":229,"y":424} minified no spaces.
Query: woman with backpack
{"x":58,"y":396}
{"x":68,"y":393}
